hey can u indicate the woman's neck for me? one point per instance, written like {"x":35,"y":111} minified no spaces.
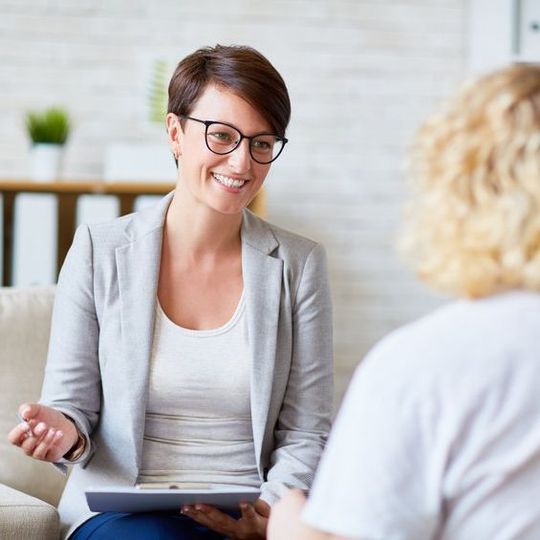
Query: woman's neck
{"x":200,"y":231}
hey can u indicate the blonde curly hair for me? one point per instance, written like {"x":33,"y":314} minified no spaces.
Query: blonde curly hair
{"x":473,"y":225}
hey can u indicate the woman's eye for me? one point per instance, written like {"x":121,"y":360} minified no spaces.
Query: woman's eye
{"x":222,"y":136}
{"x":259,"y":144}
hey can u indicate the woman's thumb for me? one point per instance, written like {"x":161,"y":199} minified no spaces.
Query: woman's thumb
{"x":29,"y":410}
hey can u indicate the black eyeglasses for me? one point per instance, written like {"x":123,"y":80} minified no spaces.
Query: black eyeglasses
{"x":223,"y":139}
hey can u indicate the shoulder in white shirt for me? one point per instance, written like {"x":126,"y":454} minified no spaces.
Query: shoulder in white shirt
{"x":439,"y":434}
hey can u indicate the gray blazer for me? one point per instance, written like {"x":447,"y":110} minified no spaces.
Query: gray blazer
{"x":101,"y":338}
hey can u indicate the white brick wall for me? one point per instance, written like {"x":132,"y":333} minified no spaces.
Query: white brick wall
{"x":361,"y":74}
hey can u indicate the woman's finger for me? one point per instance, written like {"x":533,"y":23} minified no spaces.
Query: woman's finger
{"x":47,"y":449}
{"x":40,"y":429}
{"x":248,"y":512}
{"x":41,"y":449}
{"x":55,"y":452}
{"x":29,"y":410}
{"x":212,"y":518}
{"x":32,"y":423}
{"x":19,"y":433}
{"x":29,"y":444}
{"x":252,"y":521}
{"x":262,"y":508}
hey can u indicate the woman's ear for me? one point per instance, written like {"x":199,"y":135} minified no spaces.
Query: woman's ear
{"x":174,"y":131}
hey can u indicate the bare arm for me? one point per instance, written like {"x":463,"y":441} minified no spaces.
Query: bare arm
{"x":285,"y":522}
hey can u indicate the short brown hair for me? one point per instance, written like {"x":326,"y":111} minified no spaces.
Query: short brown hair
{"x":241,"y":69}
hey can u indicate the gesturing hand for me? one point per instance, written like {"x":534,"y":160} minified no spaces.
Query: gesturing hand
{"x":44,"y":433}
{"x":250,"y":526}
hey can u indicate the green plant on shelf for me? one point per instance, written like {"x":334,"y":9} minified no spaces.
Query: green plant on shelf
{"x":50,"y":126}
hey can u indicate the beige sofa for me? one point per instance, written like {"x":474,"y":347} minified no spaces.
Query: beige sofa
{"x":29,"y":489}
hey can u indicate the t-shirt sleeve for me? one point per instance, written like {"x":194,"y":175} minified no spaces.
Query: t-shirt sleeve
{"x":376,"y":479}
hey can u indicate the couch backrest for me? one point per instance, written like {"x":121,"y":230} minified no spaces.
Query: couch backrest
{"x":25,"y":319}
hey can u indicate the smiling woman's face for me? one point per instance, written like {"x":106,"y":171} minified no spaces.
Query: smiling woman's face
{"x":225,"y":183}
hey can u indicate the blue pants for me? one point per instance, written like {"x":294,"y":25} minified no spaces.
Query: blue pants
{"x":150,"y":525}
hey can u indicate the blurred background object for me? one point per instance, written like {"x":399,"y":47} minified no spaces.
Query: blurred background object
{"x":48,"y":130}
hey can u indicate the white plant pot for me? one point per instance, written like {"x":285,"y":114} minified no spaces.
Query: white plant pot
{"x":46,"y":161}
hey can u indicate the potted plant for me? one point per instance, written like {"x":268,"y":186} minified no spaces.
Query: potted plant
{"x":48,"y":131}
{"x":151,"y":160}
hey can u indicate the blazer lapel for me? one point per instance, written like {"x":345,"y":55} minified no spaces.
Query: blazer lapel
{"x":138,"y":265}
{"x":263,"y":276}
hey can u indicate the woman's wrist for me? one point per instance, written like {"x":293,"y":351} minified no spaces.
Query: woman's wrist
{"x":77,"y":450}
{"x":79,"y":446}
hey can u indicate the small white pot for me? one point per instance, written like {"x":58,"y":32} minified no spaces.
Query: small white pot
{"x":46,"y":161}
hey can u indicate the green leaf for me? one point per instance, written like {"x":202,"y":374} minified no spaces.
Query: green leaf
{"x":50,"y":126}
{"x":157,"y":92}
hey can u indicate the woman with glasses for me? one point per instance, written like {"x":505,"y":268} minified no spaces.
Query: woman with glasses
{"x":438,"y":435}
{"x":192,"y":342}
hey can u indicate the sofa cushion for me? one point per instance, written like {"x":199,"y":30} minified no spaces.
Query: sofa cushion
{"x":25,"y":318}
{"x":23,"y":516}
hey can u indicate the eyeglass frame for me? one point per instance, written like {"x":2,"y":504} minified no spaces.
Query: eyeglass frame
{"x":208,"y":123}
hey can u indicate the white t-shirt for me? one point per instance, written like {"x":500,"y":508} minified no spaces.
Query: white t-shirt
{"x":439,"y":434}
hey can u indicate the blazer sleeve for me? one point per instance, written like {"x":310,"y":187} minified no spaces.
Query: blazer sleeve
{"x":305,"y":417}
{"x":72,"y":382}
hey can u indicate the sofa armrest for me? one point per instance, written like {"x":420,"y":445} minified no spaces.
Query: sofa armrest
{"x":24,"y":516}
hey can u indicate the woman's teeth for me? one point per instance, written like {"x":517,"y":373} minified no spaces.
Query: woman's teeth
{"x":229,"y":182}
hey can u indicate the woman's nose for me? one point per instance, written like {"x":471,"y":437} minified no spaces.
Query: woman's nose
{"x":240,"y":157}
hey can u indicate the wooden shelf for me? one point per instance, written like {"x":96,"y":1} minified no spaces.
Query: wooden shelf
{"x":67,"y":193}
{"x":86,"y":187}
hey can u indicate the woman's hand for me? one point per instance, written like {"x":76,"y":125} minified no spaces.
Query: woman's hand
{"x":251,"y":525}
{"x":44,"y":434}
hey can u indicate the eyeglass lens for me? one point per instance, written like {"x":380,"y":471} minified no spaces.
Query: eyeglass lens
{"x":223,"y":139}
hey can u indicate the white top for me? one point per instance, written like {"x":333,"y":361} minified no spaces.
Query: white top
{"x":439,"y":434}
{"x":198,"y":419}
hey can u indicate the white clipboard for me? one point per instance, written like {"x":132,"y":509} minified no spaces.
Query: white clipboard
{"x":145,"y":499}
